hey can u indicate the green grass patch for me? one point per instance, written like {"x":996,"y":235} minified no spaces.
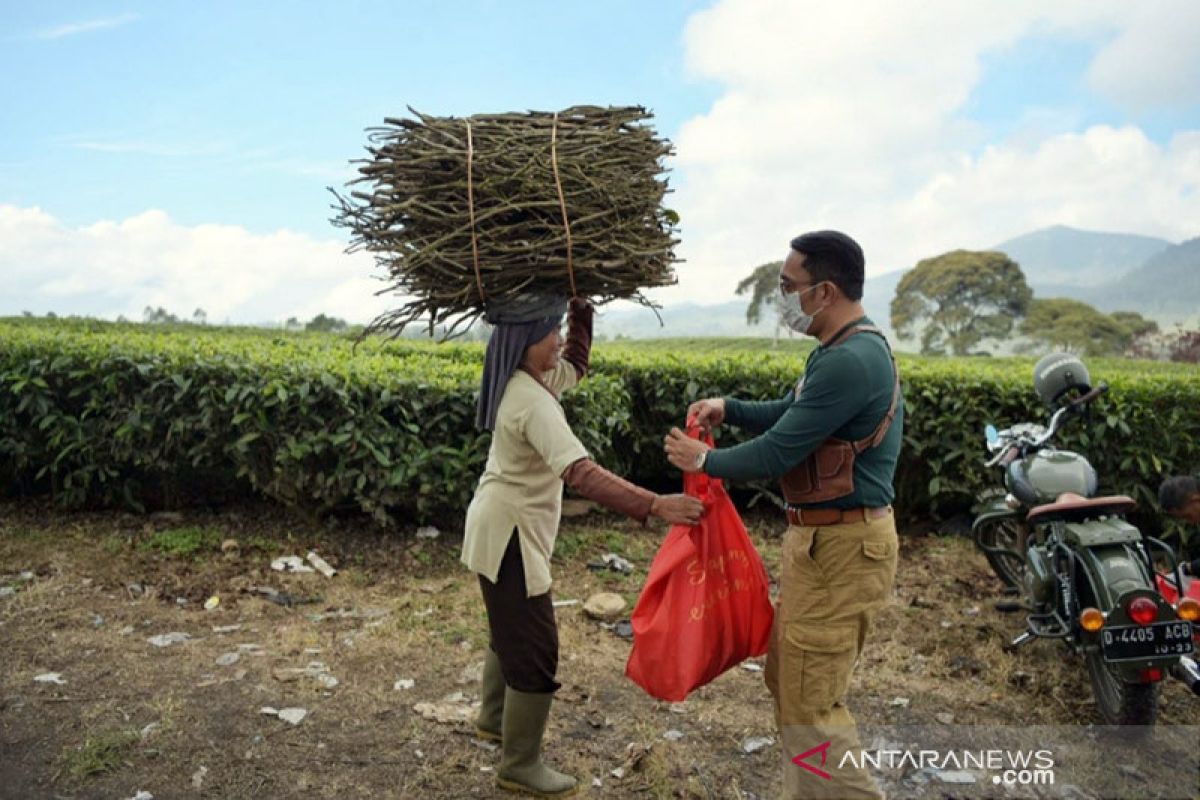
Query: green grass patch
{"x":101,"y":752}
{"x":457,"y":632}
{"x":181,"y":542}
{"x":614,"y":542}
{"x":114,"y":545}
{"x":260,"y":543}
{"x":356,"y":577}
{"x":569,"y":544}
{"x":23,"y":534}
{"x":613,"y":581}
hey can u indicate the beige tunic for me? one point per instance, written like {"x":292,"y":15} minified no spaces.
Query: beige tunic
{"x":521,"y":486}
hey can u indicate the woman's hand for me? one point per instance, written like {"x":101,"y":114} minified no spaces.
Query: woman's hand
{"x":677,"y":509}
{"x":708,"y":413}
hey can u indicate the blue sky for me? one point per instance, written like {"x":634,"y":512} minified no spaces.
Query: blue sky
{"x":240,"y":113}
{"x":144,"y":142}
{"x":1042,"y":80}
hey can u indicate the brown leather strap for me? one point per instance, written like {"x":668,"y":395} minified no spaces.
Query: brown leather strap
{"x":853,"y":329}
{"x":885,"y":424}
{"x":833,"y":516}
{"x":876,"y":438}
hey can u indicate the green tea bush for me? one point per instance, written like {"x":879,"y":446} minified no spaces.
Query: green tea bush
{"x":141,"y":417}
{"x":105,"y":414}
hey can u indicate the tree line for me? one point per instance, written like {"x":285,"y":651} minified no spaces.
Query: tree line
{"x":962,"y":301}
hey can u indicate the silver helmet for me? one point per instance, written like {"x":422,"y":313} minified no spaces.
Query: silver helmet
{"x":1057,"y":374}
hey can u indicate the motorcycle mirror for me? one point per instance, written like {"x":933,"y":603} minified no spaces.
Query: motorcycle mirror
{"x":991,"y":433}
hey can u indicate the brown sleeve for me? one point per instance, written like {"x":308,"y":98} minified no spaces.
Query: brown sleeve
{"x":579,"y":336}
{"x":596,"y":483}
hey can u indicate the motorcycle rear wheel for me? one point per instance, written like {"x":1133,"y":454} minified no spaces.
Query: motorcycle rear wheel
{"x":1008,"y":534}
{"x":1121,"y":703}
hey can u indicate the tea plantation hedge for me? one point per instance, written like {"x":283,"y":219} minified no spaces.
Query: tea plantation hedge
{"x":148,"y":417}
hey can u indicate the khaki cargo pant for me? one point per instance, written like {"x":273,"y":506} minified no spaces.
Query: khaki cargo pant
{"x":832,"y":581}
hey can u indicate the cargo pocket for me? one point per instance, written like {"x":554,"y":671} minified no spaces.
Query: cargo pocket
{"x":878,"y":551}
{"x":878,"y":572}
{"x":816,"y":668}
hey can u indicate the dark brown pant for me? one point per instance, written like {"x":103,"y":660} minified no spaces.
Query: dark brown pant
{"x":524,"y":633}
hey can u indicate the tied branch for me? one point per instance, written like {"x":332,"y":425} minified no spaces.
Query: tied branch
{"x":411,"y":208}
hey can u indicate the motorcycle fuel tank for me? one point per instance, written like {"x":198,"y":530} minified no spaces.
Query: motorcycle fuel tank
{"x":1043,"y":476}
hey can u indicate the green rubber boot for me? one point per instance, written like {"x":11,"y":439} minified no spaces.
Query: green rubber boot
{"x":491,"y":697}
{"x":521,"y":768}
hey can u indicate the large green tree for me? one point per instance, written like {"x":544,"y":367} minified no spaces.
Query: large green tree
{"x":325,"y":324}
{"x":762,"y":284}
{"x":1061,"y":323}
{"x":1135,"y":323}
{"x":960,"y":298}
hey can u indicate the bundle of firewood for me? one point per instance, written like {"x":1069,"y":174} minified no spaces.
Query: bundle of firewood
{"x":463,"y":212}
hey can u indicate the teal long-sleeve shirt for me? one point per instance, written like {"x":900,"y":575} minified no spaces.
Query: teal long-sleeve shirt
{"x":846,"y":392}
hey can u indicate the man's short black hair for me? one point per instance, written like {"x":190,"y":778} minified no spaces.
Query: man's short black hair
{"x":835,"y":257}
{"x":1174,"y":493}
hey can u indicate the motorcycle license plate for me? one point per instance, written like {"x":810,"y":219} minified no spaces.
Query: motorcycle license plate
{"x":1137,"y":642}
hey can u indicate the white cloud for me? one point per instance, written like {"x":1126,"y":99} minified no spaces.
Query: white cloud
{"x":73,"y":28}
{"x":110,"y":268}
{"x":1104,"y":178}
{"x":852,"y":116}
{"x":1154,"y":61}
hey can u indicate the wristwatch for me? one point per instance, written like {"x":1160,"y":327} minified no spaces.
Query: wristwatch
{"x":700,"y":460}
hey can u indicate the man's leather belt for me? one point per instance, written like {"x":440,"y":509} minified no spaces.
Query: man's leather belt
{"x":833,"y":516}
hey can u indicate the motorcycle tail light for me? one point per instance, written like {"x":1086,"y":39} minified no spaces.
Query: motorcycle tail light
{"x":1091,"y":619}
{"x":1188,"y":609}
{"x":1151,"y":675}
{"x":1142,"y":610}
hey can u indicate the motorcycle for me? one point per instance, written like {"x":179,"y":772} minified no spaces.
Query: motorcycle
{"x":1084,"y":574}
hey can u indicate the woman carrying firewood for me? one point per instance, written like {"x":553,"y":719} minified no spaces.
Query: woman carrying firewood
{"x":513,"y":520}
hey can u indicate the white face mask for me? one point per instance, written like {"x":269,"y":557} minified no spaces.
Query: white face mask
{"x":792,"y":314}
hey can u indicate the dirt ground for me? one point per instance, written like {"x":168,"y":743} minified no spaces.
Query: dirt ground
{"x":399,"y":634}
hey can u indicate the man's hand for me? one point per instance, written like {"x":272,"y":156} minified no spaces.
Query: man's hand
{"x":708,"y":413}
{"x":677,"y":509}
{"x":683,"y":450}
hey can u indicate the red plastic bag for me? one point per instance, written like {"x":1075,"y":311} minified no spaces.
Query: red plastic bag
{"x":705,"y":607}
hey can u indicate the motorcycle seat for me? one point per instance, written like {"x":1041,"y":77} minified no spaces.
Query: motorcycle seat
{"x":1072,"y":507}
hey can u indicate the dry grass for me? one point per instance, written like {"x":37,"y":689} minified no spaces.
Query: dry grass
{"x":406,"y":609}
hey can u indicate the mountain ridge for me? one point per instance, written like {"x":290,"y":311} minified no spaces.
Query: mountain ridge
{"x":1058,"y":261}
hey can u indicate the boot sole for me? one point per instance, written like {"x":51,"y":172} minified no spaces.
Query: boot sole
{"x":488,"y":735}
{"x":511,"y":786}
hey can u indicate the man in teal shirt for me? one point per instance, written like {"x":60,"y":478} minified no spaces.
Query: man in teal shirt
{"x":833,"y":441}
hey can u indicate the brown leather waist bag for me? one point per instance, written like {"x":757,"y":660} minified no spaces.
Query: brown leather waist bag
{"x":828,"y":473}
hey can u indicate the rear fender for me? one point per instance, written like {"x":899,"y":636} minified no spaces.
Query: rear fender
{"x":1109,"y":554}
{"x":1113,"y":570}
{"x":1131,"y":671}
